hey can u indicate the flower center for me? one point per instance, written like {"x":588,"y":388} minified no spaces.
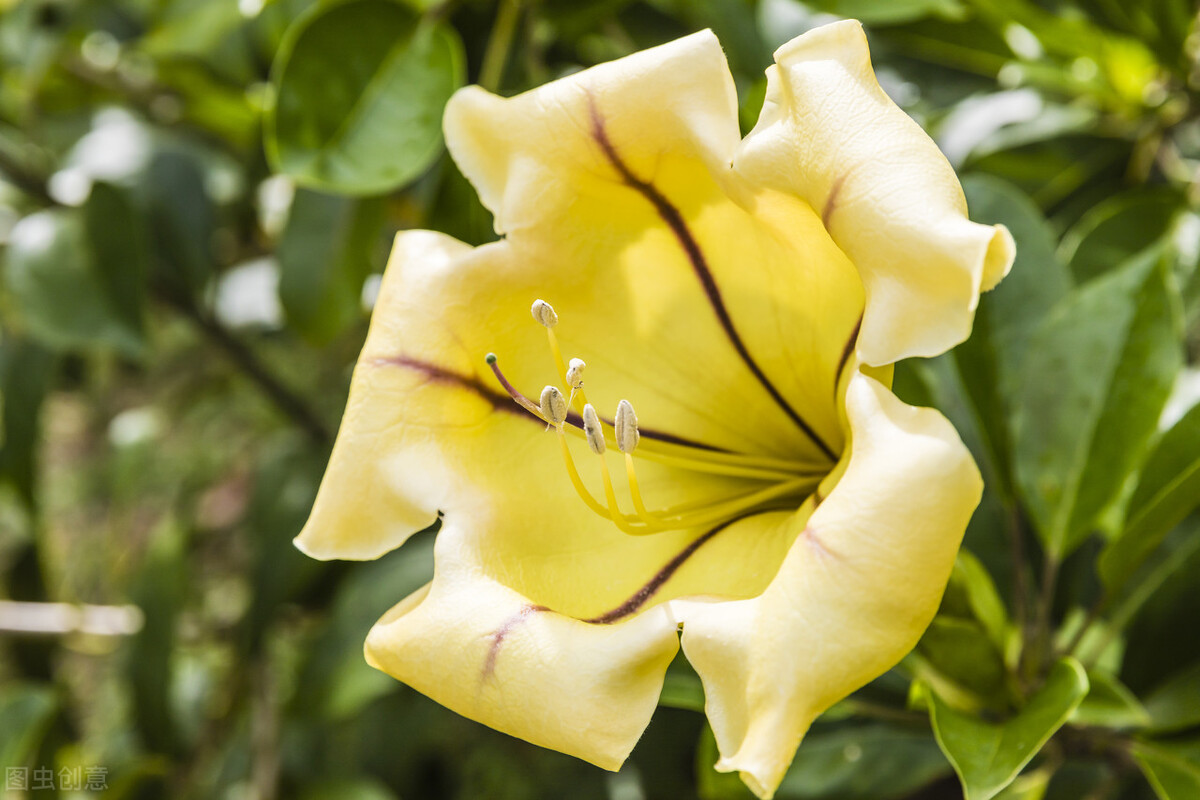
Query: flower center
{"x":785,"y":483}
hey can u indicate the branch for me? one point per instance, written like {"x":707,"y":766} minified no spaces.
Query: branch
{"x":283,"y":397}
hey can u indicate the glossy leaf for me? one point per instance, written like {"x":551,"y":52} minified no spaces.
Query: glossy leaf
{"x":1110,"y":704}
{"x":1168,"y":490}
{"x":1099,"y":370}
{"x":987,"y":756}
{"x":1173,"y":705}
{"x":990,"y":362}
{"x":120,"y":252}
{"x":893,"y":12}
{"x":25,"y":712}
{"x":863,"y":762}
{"x":329,"y":248}
{"x":360,"y":88}
{"x":50,"y":273}
{"x":1173,"y":768}
{"x":182,"y":223}
{"x":25,"y":372}
{"x":1114,"y":231}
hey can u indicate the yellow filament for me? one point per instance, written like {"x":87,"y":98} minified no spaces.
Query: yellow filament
{"x":687,"y":515}
{"x":580,"y":489}
{"x":635,"y":491}
{"x":734,"y":464}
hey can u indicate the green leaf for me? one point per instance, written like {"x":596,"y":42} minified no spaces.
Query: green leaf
{"x":336,"y":682}
{"x":1173,"y":768}
{"x":682,"y":690}
{"x":160,"y":590}
{"x":327,"y":252}
{"x":990,"y":362}
{"x":25,"y":372}
{"x":1030,"y":786}
{"x":894,"y":12}
{"x":1099,"y":371}
{"x":1110,"y":704}
{"x":347,"y":789}
{"x":987,"y":756}
{"x":1168,"y":490}
{"x":360,"y":88}
{"x":1173,"y":705}
{"x":25,"y":713}
{"x":50,"y":273}
{"x":120,"y":252}
{"x":1114,"y":231}
{"x":962,"y":651}
{"x":985,"y":602}
{"x":182,"y":223}
{"x":863,"y":762}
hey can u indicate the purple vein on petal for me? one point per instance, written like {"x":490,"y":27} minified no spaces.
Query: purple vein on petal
{"x":664,"y":574}
{"x":500,"y":634}
{"x":502,"y":401}
{"x":674,"y":220}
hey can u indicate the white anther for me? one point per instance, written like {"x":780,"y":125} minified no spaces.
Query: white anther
{"x":592,"y":429}
{"x":626,"y":427}
{"x":575,"y":373}
{"x":554,"y":405}
{"x":543,"y":312}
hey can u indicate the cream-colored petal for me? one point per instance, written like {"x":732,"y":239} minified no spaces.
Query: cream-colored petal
{"x":860,"y":584}
{"x":492,"y":655}
{"x":428,"y":428}
{"x":888,"y":197}
{"x":677,"y":98}
{"x":378,"y":491}
{"x":618,"y":180}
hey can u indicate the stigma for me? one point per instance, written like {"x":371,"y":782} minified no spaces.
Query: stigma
{"x":781,"y":483}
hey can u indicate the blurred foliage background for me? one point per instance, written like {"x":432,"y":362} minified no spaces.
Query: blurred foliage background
{"x":196,"y":199}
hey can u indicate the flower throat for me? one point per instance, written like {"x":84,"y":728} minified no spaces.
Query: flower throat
{"x":786,"y":482}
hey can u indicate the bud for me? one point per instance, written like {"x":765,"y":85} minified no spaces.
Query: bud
{"x":626,"y":427}
{"x":592,"y":429}
{"x":543,"y":312}
{"x":575,"y":373}
{"x":554,"y":405}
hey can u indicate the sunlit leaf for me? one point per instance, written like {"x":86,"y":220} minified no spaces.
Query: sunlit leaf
{"x":1168,"y":490}
{"x":988,"y":756}
{"x":360,"y":88}
{"x":1099,"y":369}
{"x":1109,"y":704}
{"x":1173,"y":768}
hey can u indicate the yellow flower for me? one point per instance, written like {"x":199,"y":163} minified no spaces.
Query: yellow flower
{"x":746,"y":297}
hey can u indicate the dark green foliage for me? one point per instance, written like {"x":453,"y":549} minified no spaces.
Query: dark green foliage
{"x":195,"y":197}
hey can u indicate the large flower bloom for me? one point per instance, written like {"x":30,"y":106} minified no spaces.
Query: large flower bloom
{"x":780,"y":506}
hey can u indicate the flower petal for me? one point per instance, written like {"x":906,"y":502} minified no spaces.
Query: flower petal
{"x":485,"y":652}
{"x":676,"y":98}
{"x":616,"y":182}
{"x":854,"y":594}
{"x":428,"y":429}
{"x":891,"y":201}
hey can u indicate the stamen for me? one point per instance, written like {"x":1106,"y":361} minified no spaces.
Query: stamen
{"x":543,"y":312}
{"x":574,"y":374}
{"x":675,"y":455}
{"x":625,"y":427}
{"x":553,"y":406}
{"x":593,"y":430}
